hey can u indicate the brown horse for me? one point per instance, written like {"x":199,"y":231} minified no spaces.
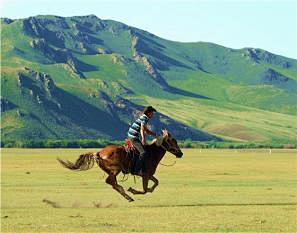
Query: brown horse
{"x":115,"y":159}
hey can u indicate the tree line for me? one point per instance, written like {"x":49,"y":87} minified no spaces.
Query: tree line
{"x":99,"y":143}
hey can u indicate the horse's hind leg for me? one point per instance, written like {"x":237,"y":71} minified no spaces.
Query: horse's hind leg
{"x":112,"y":180}
{"x":112,"y":172}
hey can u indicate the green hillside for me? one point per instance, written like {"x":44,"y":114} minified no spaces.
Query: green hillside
{"x":83,"y":77}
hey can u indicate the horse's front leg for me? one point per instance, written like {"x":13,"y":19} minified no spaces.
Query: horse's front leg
{"x":145,"y":180}
{"x":156,"y":182}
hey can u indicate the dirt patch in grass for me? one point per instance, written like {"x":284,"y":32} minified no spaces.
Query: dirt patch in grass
{"x":100,"y":205}
{"x":235,"y":130}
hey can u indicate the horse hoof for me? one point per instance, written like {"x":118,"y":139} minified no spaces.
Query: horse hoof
{"x":130,"y":200}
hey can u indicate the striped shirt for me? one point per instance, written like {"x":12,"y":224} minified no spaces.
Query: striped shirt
{"x":134,"y":130}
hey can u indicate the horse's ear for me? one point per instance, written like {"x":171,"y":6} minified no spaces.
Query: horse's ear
{"x":166,"y":133}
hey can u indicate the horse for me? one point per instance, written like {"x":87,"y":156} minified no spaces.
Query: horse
{"x":114,"y":159}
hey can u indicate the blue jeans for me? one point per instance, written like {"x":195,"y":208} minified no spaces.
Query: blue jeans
{"x":140,"y":164}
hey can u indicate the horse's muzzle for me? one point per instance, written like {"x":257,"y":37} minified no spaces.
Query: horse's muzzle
{"x":179,"y":154}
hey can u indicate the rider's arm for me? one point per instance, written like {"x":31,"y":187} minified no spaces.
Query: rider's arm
{"x":142,"y":132}
{"x":145,"y":129}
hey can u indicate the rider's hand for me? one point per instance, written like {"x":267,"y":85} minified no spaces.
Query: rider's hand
{"x":143,"y":141}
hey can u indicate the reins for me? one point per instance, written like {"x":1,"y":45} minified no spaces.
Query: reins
{"x":166,"y":149}
{"x":170,"y":165}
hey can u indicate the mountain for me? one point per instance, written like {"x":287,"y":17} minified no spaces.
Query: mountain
{"x":83,"y":77}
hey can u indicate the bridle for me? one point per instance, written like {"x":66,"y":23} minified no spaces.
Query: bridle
{"x":170,"y":148}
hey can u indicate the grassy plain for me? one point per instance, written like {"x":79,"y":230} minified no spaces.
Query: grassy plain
{"x":205,"y":191}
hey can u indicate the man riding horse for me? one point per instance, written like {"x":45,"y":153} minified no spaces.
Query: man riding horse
{"x":114,"y":159}
{"x":137,"y":129}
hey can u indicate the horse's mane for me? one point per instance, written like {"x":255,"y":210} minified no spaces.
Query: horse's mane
{"x":157,"y":141}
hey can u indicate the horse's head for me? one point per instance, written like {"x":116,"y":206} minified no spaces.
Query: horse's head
{"x":169,"y":144}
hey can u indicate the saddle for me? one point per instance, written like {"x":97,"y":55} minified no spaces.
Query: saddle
{"x":129,"y":145}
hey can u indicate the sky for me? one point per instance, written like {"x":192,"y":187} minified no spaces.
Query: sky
{"x":267,"y":24}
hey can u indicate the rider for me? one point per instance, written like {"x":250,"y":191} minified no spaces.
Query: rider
{"x":139,"y":127}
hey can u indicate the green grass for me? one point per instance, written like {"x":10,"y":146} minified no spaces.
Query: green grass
{"x":212,"y":86}
{"x":107,"y":68}
{"x":218,"y":87}
{"x":228,"y":120}
{"x":205,"y":191}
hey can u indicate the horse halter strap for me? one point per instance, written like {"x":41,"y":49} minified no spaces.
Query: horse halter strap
{"x":169,"y":147}
{"x":163,"y":146}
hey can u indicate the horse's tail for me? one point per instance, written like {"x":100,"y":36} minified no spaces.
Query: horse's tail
{"x":84,"y":162}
